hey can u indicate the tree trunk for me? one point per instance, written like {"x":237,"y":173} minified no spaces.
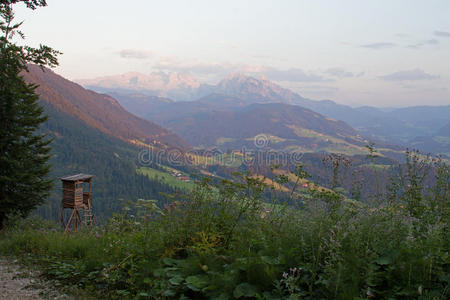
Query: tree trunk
{"x":2,"y":221}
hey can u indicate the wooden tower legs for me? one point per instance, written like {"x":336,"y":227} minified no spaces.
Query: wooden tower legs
{"x":75,"y":221}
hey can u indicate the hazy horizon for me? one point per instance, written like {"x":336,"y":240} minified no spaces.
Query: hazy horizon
{"x":383,"y":53}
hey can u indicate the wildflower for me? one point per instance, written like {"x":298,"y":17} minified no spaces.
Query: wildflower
{"x":285,"y":275}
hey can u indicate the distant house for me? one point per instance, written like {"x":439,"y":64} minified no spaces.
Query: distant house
{"x":265,"y":211}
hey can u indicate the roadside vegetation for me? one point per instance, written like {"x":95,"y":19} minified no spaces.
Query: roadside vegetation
{"x":225,"y":242}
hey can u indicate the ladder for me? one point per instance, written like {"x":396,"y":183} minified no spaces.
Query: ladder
{"x":88,"y":217}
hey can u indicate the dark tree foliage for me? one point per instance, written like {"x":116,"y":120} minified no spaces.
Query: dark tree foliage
{"x":78,"y":148}
{"x":33,"y":4}
{"x":23,"y":152}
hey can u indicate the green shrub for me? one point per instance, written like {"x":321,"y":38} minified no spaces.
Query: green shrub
{"x":218,"y":243}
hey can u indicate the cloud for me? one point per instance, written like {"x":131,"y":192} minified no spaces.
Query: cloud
{"x":431,"y":42}
{"x":261,"y":56}
{"x":292,"y":75}
{"x":339,"y":73}
{"x":442,"y":33}
{"x":320,"y":88}
{"x":174,"y":64}
{"x":228,"y":44}
{"x":314,"y":90}
{"x":208,"y":71}
{"x":424,"y":43}
{"x":136,"y":53}
{"x":377,"y":46}
{"x":409,"y":75}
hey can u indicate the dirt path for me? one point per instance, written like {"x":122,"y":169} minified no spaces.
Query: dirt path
{"x":19,"y":283}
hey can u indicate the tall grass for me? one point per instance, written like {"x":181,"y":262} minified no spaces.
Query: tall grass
{"x":222,"y":243}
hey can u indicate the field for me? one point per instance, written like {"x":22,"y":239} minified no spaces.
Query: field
{"x":167,"y":178}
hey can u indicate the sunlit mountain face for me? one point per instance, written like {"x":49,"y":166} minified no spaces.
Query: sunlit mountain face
{"x":99,"y":111}
{"x":422,"y":127}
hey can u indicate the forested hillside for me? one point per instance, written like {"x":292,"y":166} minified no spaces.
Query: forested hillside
{"x":98,"y":111}
{"x":78,"y":148}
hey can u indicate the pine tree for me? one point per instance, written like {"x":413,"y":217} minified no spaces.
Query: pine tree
{"x":24,"y":153}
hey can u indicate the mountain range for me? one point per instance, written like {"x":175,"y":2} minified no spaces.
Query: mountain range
{"x":283,"y":126}
{"x":396,"y":126}
{"x":422,"y":127}
{"x":96,"y":134}
{"x":98,"y":111}
{"x":178,"y":86}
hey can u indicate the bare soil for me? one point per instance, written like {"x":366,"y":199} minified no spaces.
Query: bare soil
{"x":17,"y":282}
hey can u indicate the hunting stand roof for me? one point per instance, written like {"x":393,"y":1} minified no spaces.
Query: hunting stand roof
{"x":78,"y":177}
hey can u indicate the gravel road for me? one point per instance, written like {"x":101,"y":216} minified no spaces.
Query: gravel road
{"x":17,"y":282}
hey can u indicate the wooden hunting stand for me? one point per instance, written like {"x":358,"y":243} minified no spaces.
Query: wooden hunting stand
{"x":78,"y":200}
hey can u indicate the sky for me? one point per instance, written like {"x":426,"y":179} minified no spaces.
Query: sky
{"x":380,"y":53}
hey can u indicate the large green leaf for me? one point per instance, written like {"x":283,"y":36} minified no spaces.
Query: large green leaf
{"x":197,"y":282}
{"x":245,"y":290}
{"x":384,"y":260}
{"x":177,"y":280}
